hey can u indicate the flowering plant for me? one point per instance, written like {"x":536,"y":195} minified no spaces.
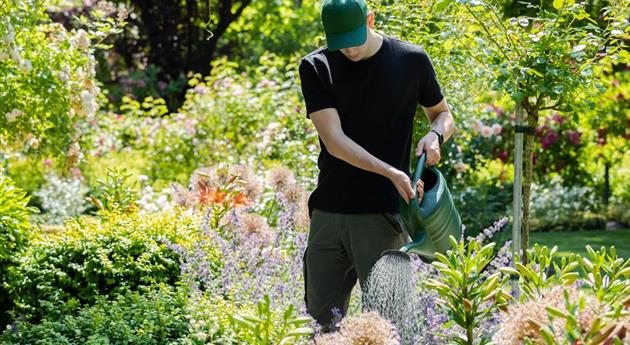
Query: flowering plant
{"x":48,"y":80}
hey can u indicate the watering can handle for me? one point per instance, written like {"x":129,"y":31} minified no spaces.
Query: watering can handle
{"x":418,"y":173}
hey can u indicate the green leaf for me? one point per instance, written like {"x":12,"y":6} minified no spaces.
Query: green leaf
{"x":442,"y":4}
{"x":302,"y":331}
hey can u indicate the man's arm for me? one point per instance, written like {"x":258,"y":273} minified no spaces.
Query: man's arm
{"x":328,"y":127}
{"x":442,"y":121}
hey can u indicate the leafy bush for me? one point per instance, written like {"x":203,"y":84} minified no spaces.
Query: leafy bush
{"x":619,"y":213}
{"x":480,"y":205}
{"x":99,"y":256}
{"x":558,"y":207}
{"x":14,"y":235}
{"x":156,"y":316}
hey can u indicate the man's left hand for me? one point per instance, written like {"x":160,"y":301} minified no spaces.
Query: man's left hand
{"x":431,"y":145}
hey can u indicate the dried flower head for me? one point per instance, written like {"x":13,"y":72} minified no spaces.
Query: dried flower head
{"x":335,"y":338}
{"x":280,"y":178}
{"x":254,"y":226}
{"x":251,"y":183}
{"x":363,"y":329}
{"x":524,"y":320}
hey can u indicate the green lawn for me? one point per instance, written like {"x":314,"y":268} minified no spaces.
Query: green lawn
{"x":576,"y":241}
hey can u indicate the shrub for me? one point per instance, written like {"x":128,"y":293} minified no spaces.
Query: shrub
{"x":99,"y":256}
{"x":155,"y":316}
{"x":558,"y":207}
{"x":14,"y":235}
{"x":619,"y":213}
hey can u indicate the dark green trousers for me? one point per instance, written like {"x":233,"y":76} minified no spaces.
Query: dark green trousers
{"x":342,"y":248}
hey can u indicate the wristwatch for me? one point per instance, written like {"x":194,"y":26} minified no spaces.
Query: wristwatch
{"x":440,"y":136}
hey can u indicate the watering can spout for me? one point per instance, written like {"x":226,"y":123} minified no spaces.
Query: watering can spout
{"x":397,"y":252}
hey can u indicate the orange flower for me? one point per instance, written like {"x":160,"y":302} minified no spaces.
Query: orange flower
{"x":240,"y":200}
{"x":207,"y":195}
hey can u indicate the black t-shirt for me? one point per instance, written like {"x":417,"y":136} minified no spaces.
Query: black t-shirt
{"x":376,"y":99}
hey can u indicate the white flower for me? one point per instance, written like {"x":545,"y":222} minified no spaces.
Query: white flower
{"x":496,"y":129}
{"x":26,"y":66}
{"x":64,"y":74}
{"x":486,"y":132}
{"x":32,"y":141}
{"x":143,"y":178}
{"x":10,"y":36}
{"x":88,"y":103}
{"x":15,"y":55}
{"x":83,"y":40}
{"x":11,"y":116}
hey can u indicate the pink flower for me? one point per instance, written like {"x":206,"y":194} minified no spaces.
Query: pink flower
{"x":264,"y":83}
{"x":556,"y":117}
{"x":201,"y":89}
{"x":140,"y":83}
{"x":574,"y":137}
{"x":503,"y":156}
{"x":496,"y":129}
{"x":486,"y":132}
{"x":76,"y":172}
{"x":162,"y":85}
{"x":550,"y":139}
{"x":47,"y":162}
{"x":499,"y":111}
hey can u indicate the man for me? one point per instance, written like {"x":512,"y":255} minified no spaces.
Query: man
{"x":361,"y":92}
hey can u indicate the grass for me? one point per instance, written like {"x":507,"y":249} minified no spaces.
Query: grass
{"x":576,"y":241}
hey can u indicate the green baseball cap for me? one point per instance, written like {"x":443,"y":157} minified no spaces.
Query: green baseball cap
{"x":344,"y":23}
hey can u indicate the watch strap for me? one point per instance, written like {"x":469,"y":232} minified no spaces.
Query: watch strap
{"x":440,"y":136}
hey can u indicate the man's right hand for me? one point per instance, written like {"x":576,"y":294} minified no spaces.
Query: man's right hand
{"x":402,"y":183}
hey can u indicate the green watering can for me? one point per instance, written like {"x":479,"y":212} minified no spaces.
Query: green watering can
{"x":430,"y":222}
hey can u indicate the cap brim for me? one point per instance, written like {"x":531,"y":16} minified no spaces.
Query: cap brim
{"x":347,"y":39}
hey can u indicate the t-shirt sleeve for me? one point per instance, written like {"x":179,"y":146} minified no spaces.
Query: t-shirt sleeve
{"x":430,"y":93}
{"x":316,"y":95}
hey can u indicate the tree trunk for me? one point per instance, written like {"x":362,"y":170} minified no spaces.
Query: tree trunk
{"x":528,"y":154}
